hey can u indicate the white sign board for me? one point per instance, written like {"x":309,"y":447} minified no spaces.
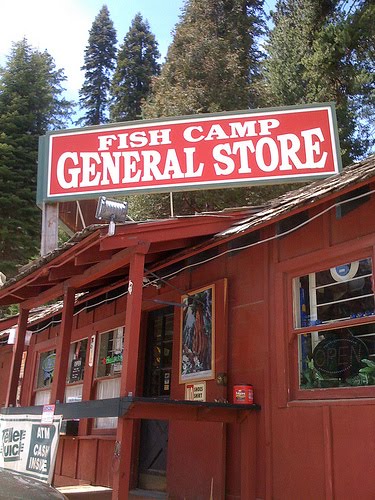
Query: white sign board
{"x":28,"y":446}
{"x":195,"y":392}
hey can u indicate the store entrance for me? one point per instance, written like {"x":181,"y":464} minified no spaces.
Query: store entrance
{"x":158,"y":367}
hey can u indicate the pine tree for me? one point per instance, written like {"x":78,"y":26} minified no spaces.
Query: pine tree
{"x":213,"y":62}
{"x":212,"y":65}
{"x":100,"y":60}
{"x":137,"y":64}
{"x":31,"y":103}
{"x":321,"y":51}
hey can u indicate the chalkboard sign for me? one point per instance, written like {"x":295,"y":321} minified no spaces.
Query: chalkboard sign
{"x":76,"y":370}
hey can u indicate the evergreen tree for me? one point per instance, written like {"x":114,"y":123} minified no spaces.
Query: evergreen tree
{"x":322,"y":51}
{"x":31,"y":103}
{"x":212,"y":65}
{"x":213,"y":62}
{"x":136,"y":66}
{"x":100,"y":61}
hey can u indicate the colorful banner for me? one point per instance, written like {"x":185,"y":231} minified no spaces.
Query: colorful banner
{"x":28,"y":446}
{"x":200,"y":152}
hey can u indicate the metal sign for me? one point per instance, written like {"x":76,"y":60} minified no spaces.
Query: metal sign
{"x":198,"y":152}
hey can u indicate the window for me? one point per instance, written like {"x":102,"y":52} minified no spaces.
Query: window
{"x":77,"y":359}
{"x":339,"y":293}
{"x":336,"y":354}
{"x":109,"y":365}
{"x":110,"y":353}
{"x":46,"y":369}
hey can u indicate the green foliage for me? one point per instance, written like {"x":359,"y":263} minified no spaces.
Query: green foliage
{"x":136,"y":66}
{"x":100,"y":57}
{"x":321,"y":51}
{"x":8,"y":311}
{"x":213,"y":62}
{"x":30,"y":104}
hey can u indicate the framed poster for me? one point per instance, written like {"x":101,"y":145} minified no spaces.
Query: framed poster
{"x":197,"y":335}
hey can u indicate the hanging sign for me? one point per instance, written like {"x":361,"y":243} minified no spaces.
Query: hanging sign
{"x":198,"y":152}
{"x":29,"y":446}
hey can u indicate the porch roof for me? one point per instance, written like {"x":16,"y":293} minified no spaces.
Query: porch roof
{"x":92,"y":259}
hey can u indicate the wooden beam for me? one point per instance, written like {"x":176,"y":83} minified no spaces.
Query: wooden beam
{"x":89,"y":276}
{"x":63,"y":347}
{"x":18,"y":349}
{"x":122,"y":477}
{"x":92,"y":256}
{"x":66,"y":271}
{"x":198,"y":227}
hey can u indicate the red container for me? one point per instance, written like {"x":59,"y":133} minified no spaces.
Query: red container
{"x":243,"y":394}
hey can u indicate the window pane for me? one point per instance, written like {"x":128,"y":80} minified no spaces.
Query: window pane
{"x":46,"y":369}
{"x":42,"y":398}
{"x":107,"y":389}
{"x":342,"y":292}
{"x":337,"y":358}
{"x":110,"y":353}
{"x":73,"y":393}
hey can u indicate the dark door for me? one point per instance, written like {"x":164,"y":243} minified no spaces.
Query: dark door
{"x":154,"y":433}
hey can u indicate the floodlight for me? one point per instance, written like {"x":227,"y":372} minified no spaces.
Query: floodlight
{"x":112,"y":211}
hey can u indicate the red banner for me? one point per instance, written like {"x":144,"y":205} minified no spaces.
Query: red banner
{"x":194,"y":153}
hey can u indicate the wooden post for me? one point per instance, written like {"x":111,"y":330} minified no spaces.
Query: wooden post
{"x":50,"y":228}
{"x":122,"y":478}
{"x":63,"y":347}
{"x":18,"y":349}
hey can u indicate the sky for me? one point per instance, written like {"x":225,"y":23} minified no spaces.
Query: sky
{"x":62,"y":28}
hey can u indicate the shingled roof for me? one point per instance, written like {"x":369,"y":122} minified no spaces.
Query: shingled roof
{"x":352,"y":176}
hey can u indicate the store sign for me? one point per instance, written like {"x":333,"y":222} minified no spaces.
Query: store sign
{"x":200,"y":152}
{"x":338,"y":356}
{"x":29,"y":446}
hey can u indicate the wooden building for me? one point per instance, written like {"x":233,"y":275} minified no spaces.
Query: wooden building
{"x":160,"y":321}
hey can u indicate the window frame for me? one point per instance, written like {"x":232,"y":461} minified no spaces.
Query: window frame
{"x":332,"y":259}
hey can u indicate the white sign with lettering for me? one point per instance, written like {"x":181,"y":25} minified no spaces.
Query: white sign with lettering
{"x":29,"y":446}
{"x":195,"y":392}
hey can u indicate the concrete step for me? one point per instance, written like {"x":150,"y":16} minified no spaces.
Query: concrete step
{"x":139,"y":494}
{"x":86,"y":492}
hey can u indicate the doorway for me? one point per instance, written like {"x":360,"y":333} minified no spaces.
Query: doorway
{"x":157,"y":383}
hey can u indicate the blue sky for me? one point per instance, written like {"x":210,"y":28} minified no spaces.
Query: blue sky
{"x":62,"y":27}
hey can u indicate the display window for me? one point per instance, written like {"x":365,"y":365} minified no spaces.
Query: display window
{"x":335,"y":307}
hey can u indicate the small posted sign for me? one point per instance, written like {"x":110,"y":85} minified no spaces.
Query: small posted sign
{"x":48,"y":414}
{"x":195,"y":392}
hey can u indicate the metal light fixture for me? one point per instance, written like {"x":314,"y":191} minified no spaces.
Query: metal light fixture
{"x":112,"y":211}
